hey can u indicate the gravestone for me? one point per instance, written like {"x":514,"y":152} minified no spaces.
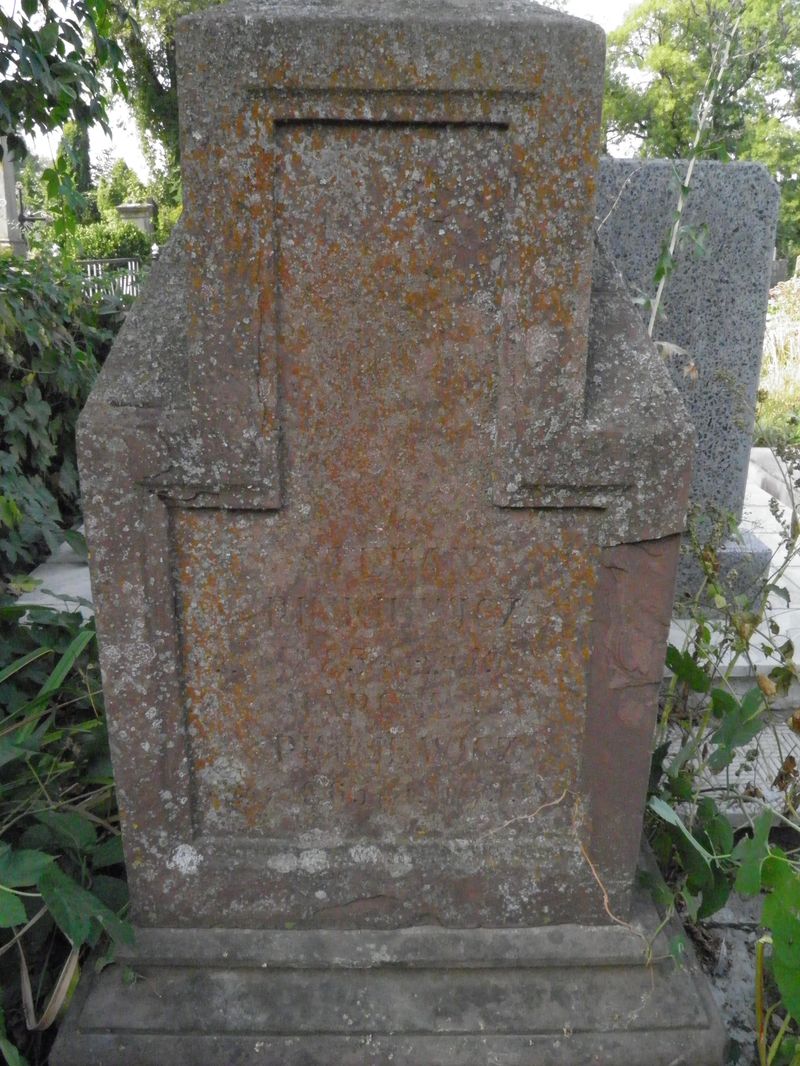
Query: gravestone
{"x":778,"y":272}
{"x":384,"y":487}
{"x":141,"y":215}
{"x":714,"y":311}
{"x":12,"y":239}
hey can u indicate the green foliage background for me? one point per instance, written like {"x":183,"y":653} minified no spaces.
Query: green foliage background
{"x":52,"y":339}
{"x":111,"y":239}
{"x":119,"y":185}
{"x":149,"y":44}
{"x":658,"y":64}
{"x":61,"y":873}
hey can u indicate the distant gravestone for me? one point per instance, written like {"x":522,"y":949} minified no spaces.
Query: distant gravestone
{"x":384,"y":486}
{"x":778,"y":272}
{"x":714,"y":309}
{"x":140,"y":215}
{"x":12,"y":239}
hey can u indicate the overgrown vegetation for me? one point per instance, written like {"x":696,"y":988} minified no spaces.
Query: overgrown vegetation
{"x":149,"y":44}
{"x":52,"y":338}
{"x":710,"y":825}
{"x":109,"y":240}
{"x":61,"y":880}
{"x":118,"y":184}
{"x":54,"y":62}
{"x":62,"y":884}
{"x":98,"y":232}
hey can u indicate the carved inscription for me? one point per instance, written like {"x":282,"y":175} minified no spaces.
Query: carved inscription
{"x":388,"y":654}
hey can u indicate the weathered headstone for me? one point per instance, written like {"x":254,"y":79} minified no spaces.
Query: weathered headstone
{"x":141,"y":215}
{"x":384,"y":487}
{"x":714,"y":310}
{"x":12,"y":239}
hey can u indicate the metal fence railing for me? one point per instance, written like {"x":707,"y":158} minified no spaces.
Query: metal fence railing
{"x":111,"y":277}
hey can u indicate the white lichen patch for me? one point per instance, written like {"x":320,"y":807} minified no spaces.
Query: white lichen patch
{"x":313,"y":861}
{"x":185,"y":859}
{"x":365,"y":854}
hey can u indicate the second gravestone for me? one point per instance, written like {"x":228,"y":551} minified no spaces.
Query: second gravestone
{"x":384,"y":486}
{"x":714,"y":313}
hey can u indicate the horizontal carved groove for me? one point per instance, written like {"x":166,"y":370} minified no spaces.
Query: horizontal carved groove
{"x":390,"y":123}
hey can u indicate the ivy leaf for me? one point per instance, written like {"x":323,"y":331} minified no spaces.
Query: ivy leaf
{"x":78,"y":913}
{"x":715,"y":895}
{"x":781,"y":915}
{"x":738,"y":728}
{"x":750,"y":854}
{"x":696,"y":859}
{"x":715,"y":830}
{"x":723,"y":702}
{"x":687,"y":670}
{"x":109,"y":853}
{"x":70,"y":829}
{"x":24,"y":867}
{"x":12,"y":909}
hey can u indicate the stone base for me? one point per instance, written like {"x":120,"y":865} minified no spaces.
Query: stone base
{"x":425,"y":996}
{"x":743,"y":567}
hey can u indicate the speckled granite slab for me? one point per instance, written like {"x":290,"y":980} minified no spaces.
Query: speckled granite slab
{"x":383,"y":484}
{"x":714,"y":309}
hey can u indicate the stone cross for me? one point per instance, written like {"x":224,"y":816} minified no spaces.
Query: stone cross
{"x":384,"y":485}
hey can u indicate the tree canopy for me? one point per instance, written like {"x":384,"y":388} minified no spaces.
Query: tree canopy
{"x":149,"y":44}
{"x":52,"y":61}
{"x":659,"y":62}
{"x":119,"y":185}
{"x":59,"y":62}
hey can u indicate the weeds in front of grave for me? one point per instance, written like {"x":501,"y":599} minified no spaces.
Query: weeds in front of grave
{"x":62,"y":884}
{"x":712,"y":829}
{"x":714,"y":82}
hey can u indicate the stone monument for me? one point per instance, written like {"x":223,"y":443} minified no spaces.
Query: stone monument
{"x":715,"y":310}
{"x":12,"y":239}
{"x":384,"y":486}
{"x":140,"y":215}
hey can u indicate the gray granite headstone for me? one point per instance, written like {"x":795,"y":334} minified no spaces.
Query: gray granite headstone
{"x":714,"y":308}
